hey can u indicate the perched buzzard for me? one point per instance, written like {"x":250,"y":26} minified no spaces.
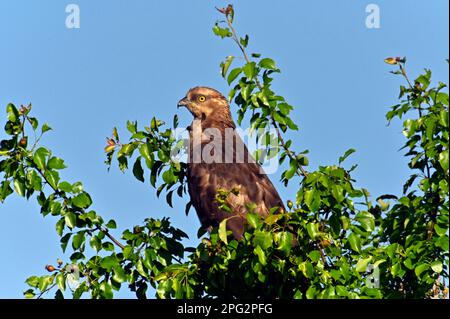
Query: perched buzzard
{"x":219,"y":160}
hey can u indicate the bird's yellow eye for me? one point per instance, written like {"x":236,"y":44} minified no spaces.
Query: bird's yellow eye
{"x":201,"y":98}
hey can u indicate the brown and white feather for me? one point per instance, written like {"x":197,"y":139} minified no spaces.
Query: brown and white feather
{"x":205,"y":179}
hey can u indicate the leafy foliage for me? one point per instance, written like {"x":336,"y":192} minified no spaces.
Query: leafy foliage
{"x":324,"y":246}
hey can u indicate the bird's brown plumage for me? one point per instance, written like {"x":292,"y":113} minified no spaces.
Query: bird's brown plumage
{"x":205,"y":177}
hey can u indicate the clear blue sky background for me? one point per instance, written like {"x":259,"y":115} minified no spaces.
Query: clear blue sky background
{"x":135,"y":59}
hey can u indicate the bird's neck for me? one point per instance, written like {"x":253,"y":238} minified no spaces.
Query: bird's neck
{"x":220,"y":120}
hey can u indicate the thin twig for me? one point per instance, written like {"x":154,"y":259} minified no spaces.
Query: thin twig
{"x":403,"y":70}
{"x":46,"y":290}
{"x":114,"y":240}
{"x":301,"y":171}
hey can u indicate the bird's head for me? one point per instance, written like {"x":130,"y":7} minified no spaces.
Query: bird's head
{"x":203,"y":102}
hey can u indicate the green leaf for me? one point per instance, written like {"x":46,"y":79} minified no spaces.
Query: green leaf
{"x":249,"y":70}
{"x":346,"y":154}
{"x":443,"y":116}
{"x":52,"y":177}
{"x":65,"y":187}
{"x":65,"y":240}
{"x":272,"y":218}
{"x":267,"y":63}
{"x":78,"y":240}
{"x":361,"y":265}
{"x":77,"y":187}
{"x":440,"y":230}
{"x":29,"y":294}
{"x":442,"y":243}
{"x":355,"y":242}
{"x":5,"y":190}
{"x":222,"y":32}
{"x":311,"y":292}
{"x":169,"y":198}
{"x":420,"y":269}
{"x":384,"y":206}
{"x":45,"y":281}
{"x":307,"y":269}
{"x":233,"y":75}
{"x":34,"y":122}
{"x":82,"y":200}
{"x":313,"y":230}
{"x":285,"y":109}
{"x":338,"y":193}
{"x":33,"y":281}
{"x":223,"y":231}
{"x":106,"y":289}
{"x":443,"y":160}
{"x":175,"y":121}
{"x":131,"y":127}
{"x":119,"y":274}
{"x":145,"y":151}
{"x":261,"y":255}
{"x":127,"y":149}
{"x":60,"y":226}
{"x":314,"y":255}
{"x":45,"y":128}
{"x":39,"y":157}
{"x":284,"y":241}
{"x":291,"y":171}
{"x":111,"y":224}
{"x":244,"y":41}
{"x":302,"y":160}
{"x":312,"y":199}
{"x":109,"y":262}
{"x":56,"y":163}
{"x":367,"y":220}
{"x":279,"y":117}
{"x":263,"y":239}
{"x":436,"y":266}
{"x":253,"y":220}
{"x":59,"y":295}
{"x":95,"y":243}
{"x":138,"y":172}
{"x":226,"y":65}
{"x":108,"y":246}
{"x":70,"y":218}
{"x":13,"y":114}
{"x":19,"y":187}
{"x":169,"y":177}
{"x":61,"y":281}
{"x":341,"y":291}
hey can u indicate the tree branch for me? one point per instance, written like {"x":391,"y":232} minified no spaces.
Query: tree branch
{"x":300,"y":171}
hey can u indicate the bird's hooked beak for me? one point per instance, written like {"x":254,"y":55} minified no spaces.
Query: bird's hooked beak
{"x":183,"y":102}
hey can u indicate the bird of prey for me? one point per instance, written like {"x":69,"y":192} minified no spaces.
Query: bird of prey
{"x":217,"y":161}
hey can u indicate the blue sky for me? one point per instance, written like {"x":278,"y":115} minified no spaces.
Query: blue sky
{"x":132,"y":60}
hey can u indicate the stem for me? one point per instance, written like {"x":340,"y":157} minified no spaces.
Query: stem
{"x":427,"y":160}
{"x":114,"y":240}
{"x":300,"y":171}
{"x":46,"y":290}
{"x":23,"y":125}
{"x":403,"y":70}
